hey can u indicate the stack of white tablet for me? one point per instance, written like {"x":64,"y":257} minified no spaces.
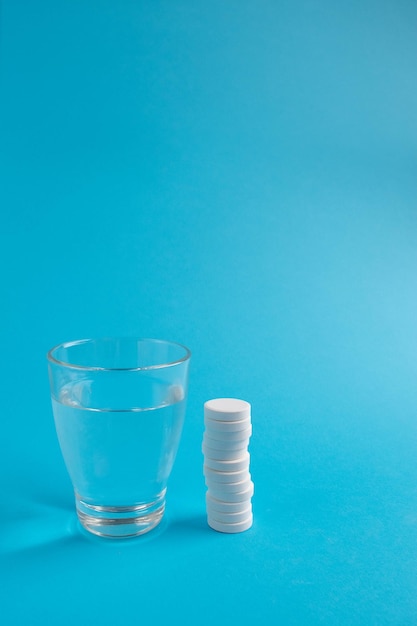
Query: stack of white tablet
{"x":226,"y":464}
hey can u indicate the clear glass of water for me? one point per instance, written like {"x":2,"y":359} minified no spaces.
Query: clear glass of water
{"x":119,"y":407}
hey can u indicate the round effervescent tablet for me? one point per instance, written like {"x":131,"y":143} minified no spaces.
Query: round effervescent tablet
{"x":223,"y":488}
{"x":175,"y":394}
{"x":237,"y":496}
{"x":227,"y":409}
{"x":219,"y":444}
{"x":226,"y":477}
{"x":227,"y":507}
{"x":230,"y":528}
{"x":234,"y":435}
{"x":229,"y":518}
{"x":229,"y":466}
{"x":228,"y":426}
{"x":223,"y":455}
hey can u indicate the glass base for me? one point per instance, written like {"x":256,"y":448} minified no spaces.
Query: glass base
{"x":120,"y":521}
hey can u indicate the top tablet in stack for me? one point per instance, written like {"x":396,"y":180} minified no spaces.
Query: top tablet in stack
{"x":228,"y":428}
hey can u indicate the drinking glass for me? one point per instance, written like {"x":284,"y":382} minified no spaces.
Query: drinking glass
{"x":119,"y":407}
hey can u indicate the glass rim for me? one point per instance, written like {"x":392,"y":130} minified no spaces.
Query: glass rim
{"x":69,"y":344}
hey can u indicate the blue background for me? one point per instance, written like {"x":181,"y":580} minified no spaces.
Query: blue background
{"x":239,"y":177}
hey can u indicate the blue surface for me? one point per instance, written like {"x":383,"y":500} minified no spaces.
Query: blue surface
{"x":239,"y":177}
